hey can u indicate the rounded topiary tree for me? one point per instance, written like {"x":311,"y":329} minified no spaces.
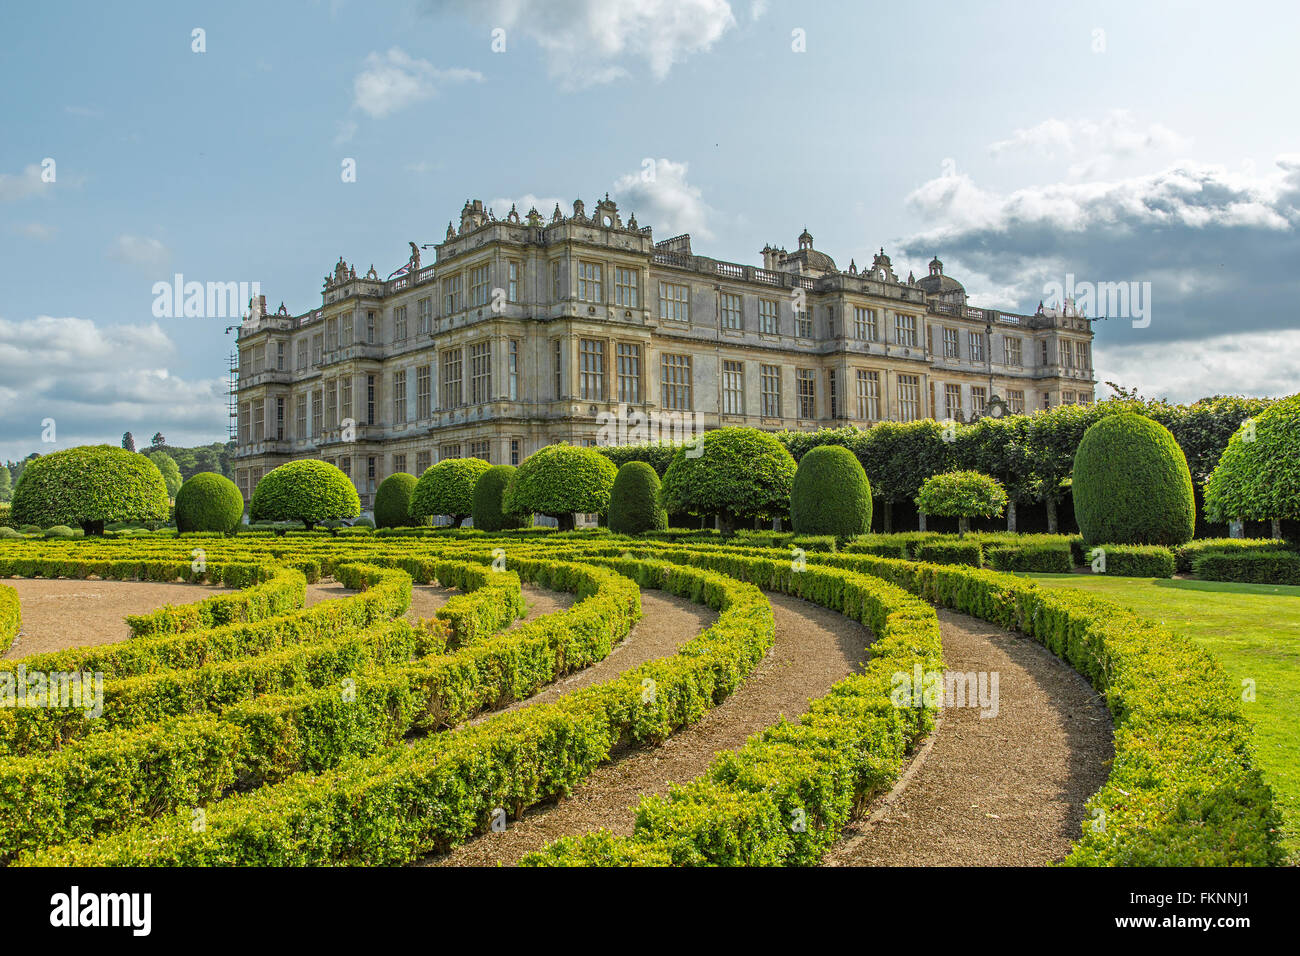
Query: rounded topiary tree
{"x":209,"y":502}
{"x":393,"y":501}
{"x":634,"y":500}
{"x":831,"y":494}
{"x":310,"y":491}
{"x":560,"y":481}
{"x":1131,"y":484}
{"x":88,"y":486}
{"x":1258,"y":475}
{"x":962,"y":495}
{"x":733,"y":473}
{"x":490,"y":512}
{"x":448,"y":489}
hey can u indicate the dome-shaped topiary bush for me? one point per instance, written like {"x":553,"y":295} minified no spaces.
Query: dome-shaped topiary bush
{"x":734,"y":473}
{"x":560,"y":481}
{"x":1258,"y":475}
{"x":60,"y":531}
{"x":393,"y":501}
{"x":447,"y":489}
{"x":962,"y":495}
{"x":309,"y":491}
{"x":209,"y":502}
{"x":1131,"y":484}
{"x":88,"y":486}
{"x":831,"y":494}
{"x":634,"y":500}
{"x":489,"y":512}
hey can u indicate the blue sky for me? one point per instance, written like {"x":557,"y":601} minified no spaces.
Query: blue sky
{"x":1148,"y":142}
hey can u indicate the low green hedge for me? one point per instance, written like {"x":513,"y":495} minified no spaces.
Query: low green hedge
{"x":1041,"y":558}
{"x":284,"y":590}
{"x":10,"y":616}
{"x":1135,"y":560}
{"x":1183,"y":788}
{"x":1249,"y":566}
{"x":440,"y":790}
{"x":783,"y":798}
{"x":950,"y":552}
{"x":1186,"y":555}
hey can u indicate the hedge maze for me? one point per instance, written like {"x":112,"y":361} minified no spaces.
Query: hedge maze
{"x":243,"y":729}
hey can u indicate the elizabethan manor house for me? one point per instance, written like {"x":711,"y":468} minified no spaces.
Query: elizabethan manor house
{"x":524,"y":332}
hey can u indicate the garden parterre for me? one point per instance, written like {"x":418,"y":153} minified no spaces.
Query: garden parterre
{"x":286,"y":771}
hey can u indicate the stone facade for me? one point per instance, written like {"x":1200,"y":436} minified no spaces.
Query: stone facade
{"x":526,"y":331}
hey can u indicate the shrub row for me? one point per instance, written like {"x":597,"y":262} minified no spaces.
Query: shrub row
{"x":284,"y":591}
{"x":10,"y":616}
{"x":1183,"y":789}
{"x":783,"y":798}
{"x":1249,"y":566}
{"x":1135,"y":560}
{"x":1185,"y":555}
{"x":108,"y":781}
{"x":409,"y":800}
{"x":387,"y":598}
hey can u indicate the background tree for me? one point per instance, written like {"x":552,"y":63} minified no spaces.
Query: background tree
{"x":962,"y":495}
{"x":740,"y":473}
{"x":209,"y":502}
{"x":1052,"y":439}
{"x":1131,"y":484}
{"x":89,"y":486}
{"x":158,"y":441}
{"x":171,"y":474}
{"x":447,"y":488}
{"x":560,"y":481}
{"x":1000,"y":447}
{"x":6,"y":485}
{"x":634,"y":500}
{"x":830,"y":494}
{"x":393,"y":501}
{"x":898,"y":457}
{"x":309,"y":491}
{"x":128,"y":441}
{"x":1258,"y":476}
{"x":490,"y":512}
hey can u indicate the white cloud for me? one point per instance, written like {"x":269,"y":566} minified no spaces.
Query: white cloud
{"x":141,"y":251}
{"x":97,"y":382}
{"x":661,"y":197}
{"x":395,"y":80}
{"x":1262,"y":363}
{"x":23,"y":185}
{"x":588,"y":42}
{"x":1094,"y":146}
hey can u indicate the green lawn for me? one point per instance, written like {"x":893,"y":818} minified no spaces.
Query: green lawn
{"x":1254,"y":631}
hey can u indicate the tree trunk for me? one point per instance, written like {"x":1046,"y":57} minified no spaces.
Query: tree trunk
{"x":1011,"y":516}
{"x":963,"y":526}
{"x":1277,"y":528}
{"x":887,"y":517}
{"x":92,"y":527}
{"x":565,"y":521}
{"x":1236,"y":528}
{"x":1051,"y":516}
{"x":920,"y":520}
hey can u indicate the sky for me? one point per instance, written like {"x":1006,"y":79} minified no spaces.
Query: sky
{"x":1033,"y":146}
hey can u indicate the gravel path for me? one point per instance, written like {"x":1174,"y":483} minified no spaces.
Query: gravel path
{"x":427,"y":598}
{"x":1006,"y":790}
{"x":814,"y":648}
{"x":60,"y":613}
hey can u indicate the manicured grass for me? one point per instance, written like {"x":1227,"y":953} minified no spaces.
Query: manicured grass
{"x":1254,"y":631}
